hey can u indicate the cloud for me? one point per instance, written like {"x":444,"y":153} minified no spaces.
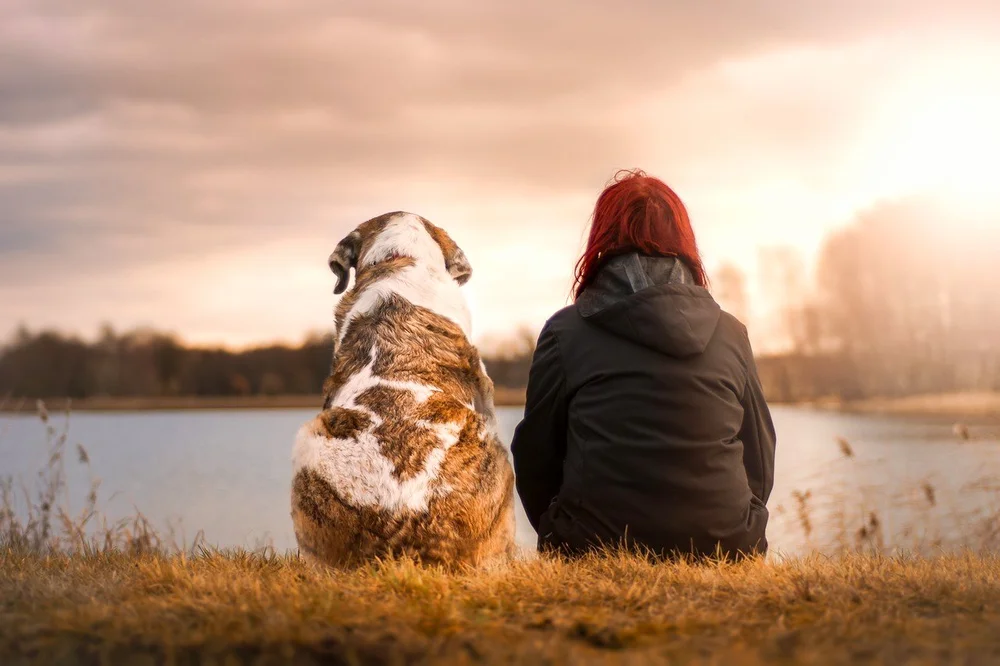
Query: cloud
{"x":135,"y":136}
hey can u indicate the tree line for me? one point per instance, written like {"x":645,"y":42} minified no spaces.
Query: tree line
{"x":147,"y":363}
{"x":902,"y":300}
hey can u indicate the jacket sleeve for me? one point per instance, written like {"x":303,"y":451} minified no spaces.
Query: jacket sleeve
{"x":539,"y":444}
{"x":758,"y":436}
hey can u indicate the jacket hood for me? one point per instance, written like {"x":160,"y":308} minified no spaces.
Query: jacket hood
{"x":653,"y":301}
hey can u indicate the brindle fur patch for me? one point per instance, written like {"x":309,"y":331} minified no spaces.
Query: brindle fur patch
{"x":448,"y":246}
{"x":461,"y":528}
{"x":405,"y":444}
{"x":365,"y":277}
{"x":344,"y":423}
{"x":414,"y":345}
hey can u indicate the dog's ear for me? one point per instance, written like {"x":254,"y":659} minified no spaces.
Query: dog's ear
{"x":458,"y":266}
{"x":344,"y":258}
{"x":455,"y":261}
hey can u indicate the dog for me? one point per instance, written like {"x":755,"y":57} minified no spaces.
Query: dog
{"x":405,"y":459}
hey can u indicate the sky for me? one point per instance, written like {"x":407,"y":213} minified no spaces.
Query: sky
{"x":190,"y":166}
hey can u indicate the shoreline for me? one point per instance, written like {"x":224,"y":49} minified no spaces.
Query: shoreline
{"x":976,"y":407}
{"x":504,"y":398}
{"x":983,"y":407}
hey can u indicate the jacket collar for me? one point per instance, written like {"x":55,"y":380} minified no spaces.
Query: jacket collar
{"x":625,"y":274}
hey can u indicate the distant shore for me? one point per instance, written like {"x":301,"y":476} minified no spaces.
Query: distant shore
{"x":976,"y":407}
{"x":504,"y":398}
{"x":968,"y":406}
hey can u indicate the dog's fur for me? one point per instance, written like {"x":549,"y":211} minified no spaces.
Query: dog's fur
{"x":405,"y":458}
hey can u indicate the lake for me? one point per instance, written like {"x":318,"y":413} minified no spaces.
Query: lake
{"x":228,"y":473}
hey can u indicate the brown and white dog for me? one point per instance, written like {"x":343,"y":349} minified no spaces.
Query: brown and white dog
{"x":405,"y":458}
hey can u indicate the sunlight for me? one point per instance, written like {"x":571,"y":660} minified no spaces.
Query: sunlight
{"x":952,"y":143}
{"x":939,"y":134}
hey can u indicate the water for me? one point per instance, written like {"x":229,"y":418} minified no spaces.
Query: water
{"x":228,"y":473}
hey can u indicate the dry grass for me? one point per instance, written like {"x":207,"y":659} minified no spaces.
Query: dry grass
{"x":47,"y":526}
{"x":604,"y":610}
{"x":75,"y":590}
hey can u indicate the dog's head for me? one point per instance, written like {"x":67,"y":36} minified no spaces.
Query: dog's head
{"x":394,"y":235}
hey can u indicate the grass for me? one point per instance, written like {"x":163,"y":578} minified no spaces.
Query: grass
{"x":77,"y":590}
{"x":259,"y":608}
{"x":46,"y":526}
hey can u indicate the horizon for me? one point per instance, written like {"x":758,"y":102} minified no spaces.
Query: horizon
{"x":189,"y":168}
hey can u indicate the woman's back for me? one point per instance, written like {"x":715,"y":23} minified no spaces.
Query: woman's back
{"x":644,"y":419}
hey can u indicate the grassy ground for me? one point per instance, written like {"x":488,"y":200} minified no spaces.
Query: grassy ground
{"x":77,"y":590}
{"x":243,"y":608}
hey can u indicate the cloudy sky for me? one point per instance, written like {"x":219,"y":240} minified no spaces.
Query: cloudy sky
{"x":189,"y":165}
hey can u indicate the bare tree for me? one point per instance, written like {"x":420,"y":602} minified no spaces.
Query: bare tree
{"x":729,"y":285}
{"x":907,"y":293}
{"x":787,"y":286}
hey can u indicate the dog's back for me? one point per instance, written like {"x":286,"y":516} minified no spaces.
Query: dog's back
{"x":405,"y":458}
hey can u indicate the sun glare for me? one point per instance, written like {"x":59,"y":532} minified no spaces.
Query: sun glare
{"x":939,"y":134}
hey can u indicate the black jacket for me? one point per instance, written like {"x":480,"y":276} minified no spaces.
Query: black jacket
{"x":645,"y":422}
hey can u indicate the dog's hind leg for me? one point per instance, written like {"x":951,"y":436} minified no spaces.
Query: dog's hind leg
{"x":498,"y":547}
{"x":484,"y":401}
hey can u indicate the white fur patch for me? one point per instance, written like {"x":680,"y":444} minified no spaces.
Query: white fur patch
{"x":356,"y":467}
{"x":403,"y":236}
{"x":427,"y":284}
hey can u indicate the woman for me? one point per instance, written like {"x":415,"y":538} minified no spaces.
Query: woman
{"x":645,"y":424}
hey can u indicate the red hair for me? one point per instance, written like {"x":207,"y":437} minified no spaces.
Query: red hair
{"x":638,"y":213}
